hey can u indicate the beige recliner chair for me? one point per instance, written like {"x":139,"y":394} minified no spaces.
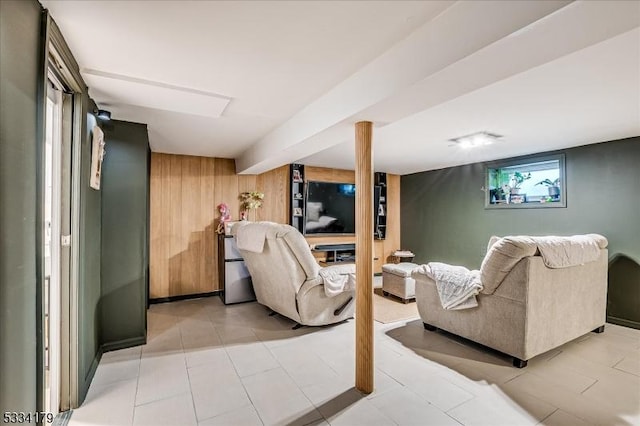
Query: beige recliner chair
{"x":526,"y":307}
{"x":286,"y":277}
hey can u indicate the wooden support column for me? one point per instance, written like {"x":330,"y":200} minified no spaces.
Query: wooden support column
{"x":364,"y":257}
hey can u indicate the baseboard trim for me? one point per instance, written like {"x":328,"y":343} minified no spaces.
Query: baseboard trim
{"x":184,"y":297}
{"x":88,"y":378}
{"x":623,"y":322}
{"x":123,"y":344}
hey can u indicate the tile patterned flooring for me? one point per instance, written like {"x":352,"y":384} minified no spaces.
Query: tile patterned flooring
{"x":210,"y":364}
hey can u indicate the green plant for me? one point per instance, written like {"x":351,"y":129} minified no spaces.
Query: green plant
{"x":549,"y":182}
{"x":518,"y":178}
{"x":499,"y":178}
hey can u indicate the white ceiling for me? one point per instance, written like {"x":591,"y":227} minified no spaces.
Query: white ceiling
{"x":271,"y":82}
{"x":590,"y":96}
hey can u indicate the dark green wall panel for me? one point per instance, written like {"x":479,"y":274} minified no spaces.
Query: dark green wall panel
{"x":89,"y":268}
{"x":20,"y":51}
{"x":444,"y":219}
{"x":125,"y":239}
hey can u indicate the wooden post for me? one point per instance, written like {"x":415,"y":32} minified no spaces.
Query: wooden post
{"x":364,"y":257}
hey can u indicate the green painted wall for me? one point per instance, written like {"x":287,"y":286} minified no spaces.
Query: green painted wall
{"x":19,"y":77}
{"x":112,"y":310}
{"x":89,"y":268}
{"x":444,"y":219}
{"x":20,"y":69}
{"x":125,"y":238}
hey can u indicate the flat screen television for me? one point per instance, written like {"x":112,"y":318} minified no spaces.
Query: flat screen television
{"x":330,"y":208}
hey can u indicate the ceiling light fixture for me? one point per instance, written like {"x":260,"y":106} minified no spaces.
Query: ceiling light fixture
{"x":103,"y":114}
{"x":476,"y":139}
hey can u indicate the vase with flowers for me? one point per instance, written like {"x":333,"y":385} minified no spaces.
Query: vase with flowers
{"x":250,"y":201}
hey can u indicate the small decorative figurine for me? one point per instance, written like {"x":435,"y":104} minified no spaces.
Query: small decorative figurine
{"x":225,"y":216}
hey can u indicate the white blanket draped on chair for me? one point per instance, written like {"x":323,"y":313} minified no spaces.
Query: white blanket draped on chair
{"x":457,"y":286}
{"x":338,"y":279}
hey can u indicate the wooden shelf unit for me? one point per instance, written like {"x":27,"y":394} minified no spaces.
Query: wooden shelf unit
{"x":380,"y":226}
{"x":296,"y":194}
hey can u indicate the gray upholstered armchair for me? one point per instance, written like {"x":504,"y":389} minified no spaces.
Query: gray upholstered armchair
{"x":288,"y":279}
{"x":537,"y":294}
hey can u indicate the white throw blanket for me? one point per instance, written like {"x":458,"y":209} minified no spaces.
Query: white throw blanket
{"x":457,"y":286}
{"x":562,"y":252}
{"x":338,"y":279}
{"x":251,"y":238}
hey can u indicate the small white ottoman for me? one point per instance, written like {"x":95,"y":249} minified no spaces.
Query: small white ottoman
{"x":396,"y":280}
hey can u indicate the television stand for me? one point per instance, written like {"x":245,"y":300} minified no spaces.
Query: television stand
{"x":337,"y":253}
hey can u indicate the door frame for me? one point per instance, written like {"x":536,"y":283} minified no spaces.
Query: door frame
{"x":58,"y":58}
{"x":55,"y":347}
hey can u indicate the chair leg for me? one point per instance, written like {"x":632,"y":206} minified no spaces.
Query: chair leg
{"x":429,"y":327}
{"x":518,"y":363}
{"x":598,"y":330}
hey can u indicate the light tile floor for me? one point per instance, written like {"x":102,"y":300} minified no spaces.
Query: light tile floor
{"x":210,"y":364}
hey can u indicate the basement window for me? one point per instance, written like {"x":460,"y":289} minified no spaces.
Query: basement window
{"x":531,"y":182}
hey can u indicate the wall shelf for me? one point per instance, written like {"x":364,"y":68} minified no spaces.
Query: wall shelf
{"x":380,"y":230}
{"x":296,"y":195}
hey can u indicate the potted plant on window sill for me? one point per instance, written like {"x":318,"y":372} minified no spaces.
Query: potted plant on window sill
{"x":516,"y":182}
{"x":553,"y":186}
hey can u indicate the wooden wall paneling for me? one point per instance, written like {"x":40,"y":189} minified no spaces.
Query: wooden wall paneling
{"x":261,"y":186}
{"x":226,"y":185}
{"x":159,"y":241}
{"x":247,"y":183}
{"x":324,"y":174}
{"x":275,"y":186}
{"x":208,"y":214}
{"x":174,"y":210}
{"x":166,"y":221}
{"x":379,"y":253}
{"x":155,"y":214}
{"x":215,"y":191}
{"x":190,"y":187}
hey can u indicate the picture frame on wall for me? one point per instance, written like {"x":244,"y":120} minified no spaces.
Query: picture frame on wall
{"x":97,"y":155}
